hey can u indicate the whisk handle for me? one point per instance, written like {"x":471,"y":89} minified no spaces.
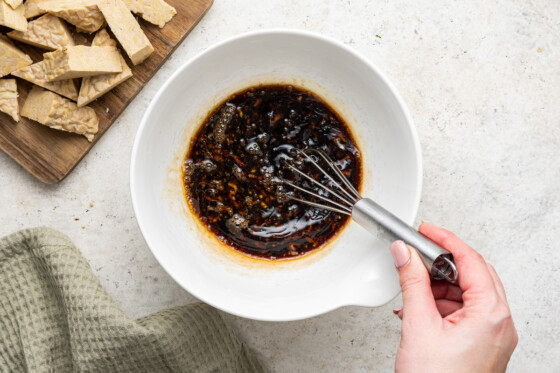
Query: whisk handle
{"x":438,"y":261}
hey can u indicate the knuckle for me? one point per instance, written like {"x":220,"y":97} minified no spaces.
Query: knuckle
{"x":504,"y":311}
{"x":448,"y":241}
{"x":500,"y":316}
{"x":476,"y":256}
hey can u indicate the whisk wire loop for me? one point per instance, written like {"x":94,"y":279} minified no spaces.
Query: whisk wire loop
{"x":347,"y":199}
{"x":346,"y":210}
{"x":339,"y":173}
{"x":320,"y":185}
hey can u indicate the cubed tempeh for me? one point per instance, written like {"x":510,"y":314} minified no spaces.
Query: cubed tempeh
{"x":157,"y":12}
{"x":12,"y":18}
{"x":59,"y":113}
{"x":8,"y":98}
{"x":80,"y":61}
{"x":96,"y":86}
{"x":126,"y":29}
{"x":11,"y":58}
{"x":47,"y":32}
{"x":36,"y":74}
{"x":84,"y":14}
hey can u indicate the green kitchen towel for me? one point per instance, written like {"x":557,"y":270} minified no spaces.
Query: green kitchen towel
{"x":56,"y":317}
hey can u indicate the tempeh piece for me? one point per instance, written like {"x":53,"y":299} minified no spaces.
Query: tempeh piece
{"x":126,"y":29}
{"x":11,"y":58}
{"x":12,"y":18}
{"x":84,"y":14}
{"x":47,"y":32}
{"x":94,"y":87}
{"x":59,"y":113}
{"x":36,"y":74}
{"x":8,"y":98}
{"x":80,"y":61}
{"x":32,"y":8}
{"x":14,"y":3}
{"x":157,"y":12}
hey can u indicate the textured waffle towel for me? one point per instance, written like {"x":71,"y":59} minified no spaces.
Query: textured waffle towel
{"x":56,"y":317}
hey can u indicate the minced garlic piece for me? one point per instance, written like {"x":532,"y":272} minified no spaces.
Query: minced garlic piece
{"x":59,"y":113}
{"x":80,"y":61}
{"x":126,"y":29}
{"x":12,"y":18}
{"x":8,"y":98}
{"x":157,"y":12}
{"x":11,"y":58}
{"x":96,"y":86}
{"x":48,"y":32}
{"x":36,"y":74}
{"x":84,"y":14}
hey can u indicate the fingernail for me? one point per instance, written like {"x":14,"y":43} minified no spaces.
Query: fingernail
{"x":401,"y":254}
{"x":397,"y":310}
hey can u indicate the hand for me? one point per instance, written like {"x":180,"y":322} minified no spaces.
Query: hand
{"x":450,"y":328}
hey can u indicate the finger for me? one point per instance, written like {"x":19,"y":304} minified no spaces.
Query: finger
{"x":447,"y":307}
{"x":398,"y":311}
{"x":497,"y":282}
{"x":474,"y":277}
{"x":419,"y":306}
{"x":445,"y":290}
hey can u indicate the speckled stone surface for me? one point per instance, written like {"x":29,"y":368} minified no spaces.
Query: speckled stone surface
{"x":482,"y":81}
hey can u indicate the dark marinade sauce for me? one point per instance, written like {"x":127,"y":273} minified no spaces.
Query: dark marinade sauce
{"x":235,"y":161}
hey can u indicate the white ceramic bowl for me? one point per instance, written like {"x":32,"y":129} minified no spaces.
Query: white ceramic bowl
{"x":356,"y":268}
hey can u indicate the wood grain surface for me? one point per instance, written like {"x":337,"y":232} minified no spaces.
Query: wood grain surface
{"x":50,"y":155}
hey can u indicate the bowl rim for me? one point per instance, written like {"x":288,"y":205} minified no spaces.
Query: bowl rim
{"x":266,"y":32}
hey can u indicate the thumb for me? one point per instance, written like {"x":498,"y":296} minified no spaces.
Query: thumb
{"x":419,"y":305}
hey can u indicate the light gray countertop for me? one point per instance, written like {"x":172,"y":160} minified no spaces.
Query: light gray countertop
{"x":482,"y":81}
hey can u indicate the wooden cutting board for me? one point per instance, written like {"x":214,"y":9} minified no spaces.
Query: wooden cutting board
{"x":50,"y":155}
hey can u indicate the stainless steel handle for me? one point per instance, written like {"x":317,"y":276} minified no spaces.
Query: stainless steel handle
{"x":437,"y":260}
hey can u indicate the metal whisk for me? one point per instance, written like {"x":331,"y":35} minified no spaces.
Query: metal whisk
{"x":370,"y":215}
